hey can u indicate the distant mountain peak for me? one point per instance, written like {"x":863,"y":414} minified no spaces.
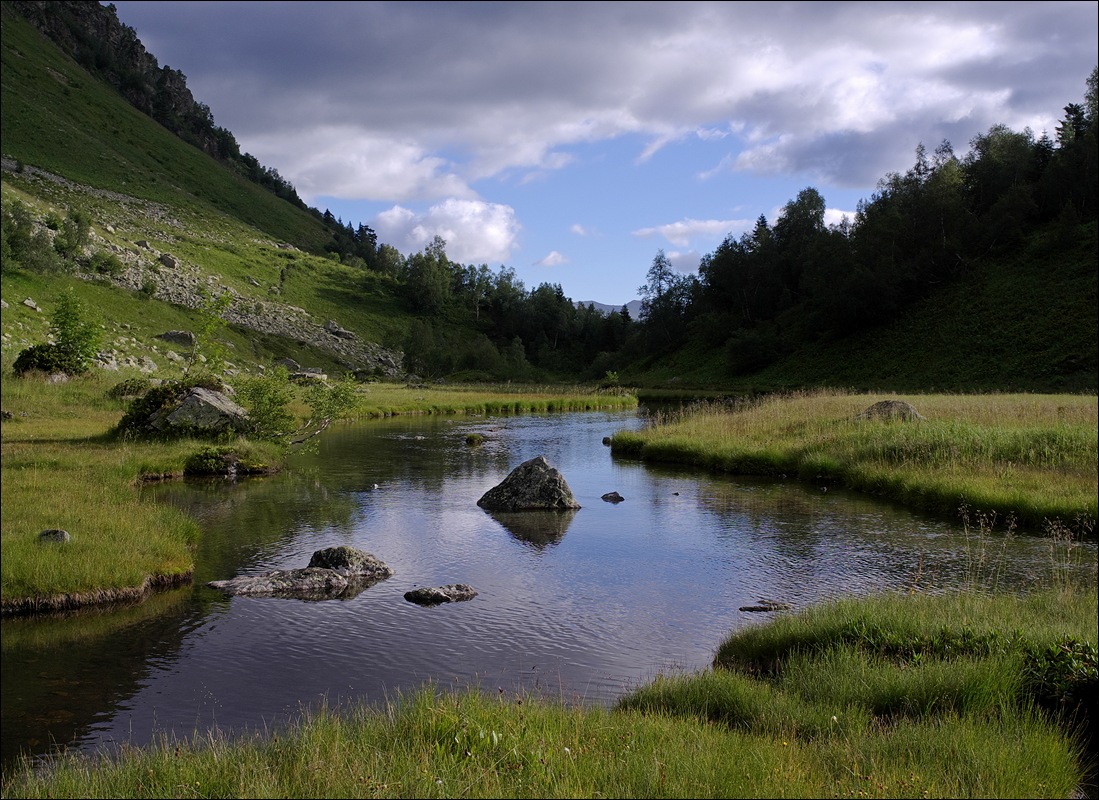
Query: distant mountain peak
{"x":634,"y":306}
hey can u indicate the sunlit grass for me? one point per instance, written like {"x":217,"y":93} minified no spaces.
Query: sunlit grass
{"x":385,"y":399}
{"x":62,"y":469}
{"x":1032,"y":457}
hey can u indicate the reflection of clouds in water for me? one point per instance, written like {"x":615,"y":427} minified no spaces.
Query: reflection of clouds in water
{"x":632,"y":589}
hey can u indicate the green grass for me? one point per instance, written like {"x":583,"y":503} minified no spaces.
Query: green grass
{"x":62,"y":469}
{"x":1028,"y":458}
{"x":829,"y":702}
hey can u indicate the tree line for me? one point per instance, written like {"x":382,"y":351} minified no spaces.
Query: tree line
{"x":775,"y":287}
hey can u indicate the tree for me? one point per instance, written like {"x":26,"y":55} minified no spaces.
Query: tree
{"x":665,"y":297}
{"x":427,"y":278}
{"x":75,"y":341}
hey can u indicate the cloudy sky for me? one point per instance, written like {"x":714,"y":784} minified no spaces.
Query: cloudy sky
{"x":573,"y":141}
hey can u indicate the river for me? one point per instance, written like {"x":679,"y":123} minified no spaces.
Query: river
{"x":581,"y":607}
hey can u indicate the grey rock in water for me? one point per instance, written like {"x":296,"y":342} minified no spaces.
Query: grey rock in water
{"x":335,"y":572}
{"x":613,"y":497}
{"x":349,"y":562}
{"x":532,"y":486}
{"x":891,"y":410}
{"x":768,"y":605}
{"x":433,"y":595}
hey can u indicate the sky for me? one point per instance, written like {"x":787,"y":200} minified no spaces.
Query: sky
{"x":575,"y":141}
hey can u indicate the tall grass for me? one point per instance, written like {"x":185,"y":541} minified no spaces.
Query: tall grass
{"x":1031,"y":457}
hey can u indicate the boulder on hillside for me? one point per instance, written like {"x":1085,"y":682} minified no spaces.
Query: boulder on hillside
{"x":890,"y":410}
{"x":185,"y":338}
{"x":335,"y":572}
{"x":199,"y":411}
{"x":532,"y":486}
{"x":334,"y":328}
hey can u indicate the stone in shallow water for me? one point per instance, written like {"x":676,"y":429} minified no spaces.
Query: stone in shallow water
{"x":433,"y":595}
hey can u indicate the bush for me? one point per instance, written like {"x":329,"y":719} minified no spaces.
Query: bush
{"x":103,"y":263}
{"x":221,"y":461}
{"x":46,"y":357}
{"x":75,"y":340}
{"x":131,"y":387}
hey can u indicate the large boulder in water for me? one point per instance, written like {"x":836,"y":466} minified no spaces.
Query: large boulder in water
{"x":532,"y":486}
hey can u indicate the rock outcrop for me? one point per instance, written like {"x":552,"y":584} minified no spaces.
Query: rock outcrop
{"x":532,"y":486}
{"x":200,"y":411}
{"x":335,"y":572}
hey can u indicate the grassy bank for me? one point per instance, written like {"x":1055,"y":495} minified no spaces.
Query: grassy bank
{"x":61,"y":470}
{"x":896,"y":696}
{"x":1030,"y":457}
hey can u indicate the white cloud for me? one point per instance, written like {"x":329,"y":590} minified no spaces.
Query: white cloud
{"x":684,"y":262}
{"x":681,"y":233}
{"x":350,"y":163}
{"x":475,"y":232}
{"x":419,"y":101}
{"x":580,"y":230}
{"x":833,"y":216}
{"x":552,"y":259}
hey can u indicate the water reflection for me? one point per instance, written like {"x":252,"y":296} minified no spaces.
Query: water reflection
{"x":539,"y":529}
{"x":582,"y":605}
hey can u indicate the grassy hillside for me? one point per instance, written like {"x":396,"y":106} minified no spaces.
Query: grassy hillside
{"x":71,"y":143}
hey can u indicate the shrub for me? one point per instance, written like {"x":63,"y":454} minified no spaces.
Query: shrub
{"x":45,"y":357}
{"x":75,"y":339}
{"x":103,"y":263}
{"x":131,"y":387}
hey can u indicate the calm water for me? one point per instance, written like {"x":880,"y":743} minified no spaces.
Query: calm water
{"x":582,"y":606}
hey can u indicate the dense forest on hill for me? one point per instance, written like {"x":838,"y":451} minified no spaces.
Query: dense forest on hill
{"x":790,"y":303}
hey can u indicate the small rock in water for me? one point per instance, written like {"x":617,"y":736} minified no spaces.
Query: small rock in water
{"x":451,"y":593}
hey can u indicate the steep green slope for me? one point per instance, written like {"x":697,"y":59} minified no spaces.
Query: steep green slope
{"x":59,"y":118}
{"x":72,"y":143}
{"x":1027,"y":322}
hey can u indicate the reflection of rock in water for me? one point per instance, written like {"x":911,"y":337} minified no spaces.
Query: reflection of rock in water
{"x":536,"y":528}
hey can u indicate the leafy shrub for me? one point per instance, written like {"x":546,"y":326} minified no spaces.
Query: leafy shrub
{"x":214,"y":460}
{"x":45,"y":357}
{"x":73,"y":235}
{"x":267,"y":398}
{"x":103,"y":263}
{"x":131,"y":387}
{"x":209,"y":461}
{"x":75,"y":339}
